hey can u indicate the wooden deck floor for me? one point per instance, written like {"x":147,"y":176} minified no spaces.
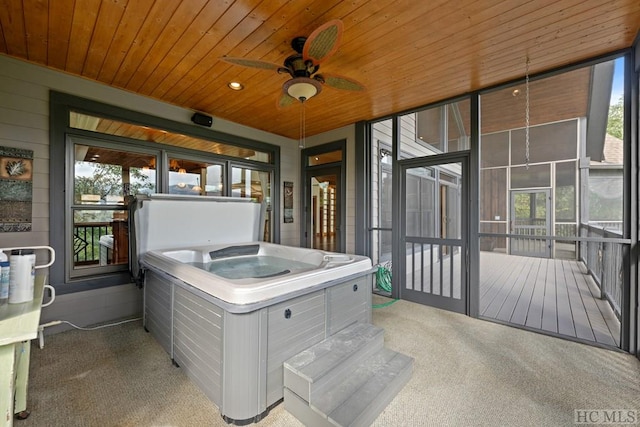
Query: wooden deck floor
{"x":549,"y":294}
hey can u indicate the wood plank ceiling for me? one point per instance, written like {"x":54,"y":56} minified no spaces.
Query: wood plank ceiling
{"x":407,"y":53}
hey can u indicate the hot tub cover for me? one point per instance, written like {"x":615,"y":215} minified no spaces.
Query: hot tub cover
{"x":163,"y":221}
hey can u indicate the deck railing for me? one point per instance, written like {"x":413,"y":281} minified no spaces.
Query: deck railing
{"x":86,"y":241}
{"x":604,"y":262}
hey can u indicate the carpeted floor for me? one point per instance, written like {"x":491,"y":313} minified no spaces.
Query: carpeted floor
{"x":467,"y":372}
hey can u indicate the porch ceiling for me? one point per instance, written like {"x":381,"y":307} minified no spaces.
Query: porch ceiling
{"x":406,"y":53}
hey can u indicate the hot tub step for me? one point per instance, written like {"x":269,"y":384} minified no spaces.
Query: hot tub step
{"x":321,"y":365}
{"x":365,"y":401}
{"x":356,"y":399}
{"x":299,"y":408}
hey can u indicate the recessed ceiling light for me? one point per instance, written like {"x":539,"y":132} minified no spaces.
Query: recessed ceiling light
{"x":235,"y":85}
{"x":516,"y":92}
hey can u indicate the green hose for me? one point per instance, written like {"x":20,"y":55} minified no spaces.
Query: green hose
{"x":383,"y":278}
{"x":386,"y":304}
{"x":383,"y":282}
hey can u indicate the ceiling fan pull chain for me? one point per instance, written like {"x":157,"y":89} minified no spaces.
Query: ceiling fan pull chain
{"x":526,"y":115}
{"x":302,"y":118}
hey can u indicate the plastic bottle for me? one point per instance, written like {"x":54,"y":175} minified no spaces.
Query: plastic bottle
{"x":22,"y":275}
{"x":4,"y":278}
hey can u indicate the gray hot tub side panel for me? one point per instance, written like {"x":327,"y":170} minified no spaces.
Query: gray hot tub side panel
{"x":157,"y":309}
{"x":294,"y":325}
{"x":244,"y":365}
{"x":349,"y":303}
{"x":236,"y":359}
{"x":197,"y":341}
{"x":189,"y":329}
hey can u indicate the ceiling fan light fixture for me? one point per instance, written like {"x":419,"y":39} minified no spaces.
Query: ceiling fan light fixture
{"x":302,"y":88}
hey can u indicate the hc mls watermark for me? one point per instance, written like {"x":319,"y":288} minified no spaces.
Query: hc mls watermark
{"x":606,"y":416}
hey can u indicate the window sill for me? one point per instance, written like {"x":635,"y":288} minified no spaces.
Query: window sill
{"x":93,"y":282}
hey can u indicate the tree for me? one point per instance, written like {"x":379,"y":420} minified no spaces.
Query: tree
{"x":106,"y":180}
{"x":616,"y":120}
{"x":91,"y":224}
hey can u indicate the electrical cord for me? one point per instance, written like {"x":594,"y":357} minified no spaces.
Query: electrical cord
{"x":93,"y":328}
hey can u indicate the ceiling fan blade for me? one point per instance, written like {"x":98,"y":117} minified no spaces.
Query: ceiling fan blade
{"x":342,"y":83}
{"x":251,"y":63}
{"x":286,"y":100}
{"x":323,"y":42}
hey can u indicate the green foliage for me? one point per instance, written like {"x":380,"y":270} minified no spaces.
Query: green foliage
{"x":104,"y":180}
{"x":565,"y":203}
{"x":604,"y":208}
{"x":107,"y":181}
{"x":616,"y":119}
{"x":530,"y":207}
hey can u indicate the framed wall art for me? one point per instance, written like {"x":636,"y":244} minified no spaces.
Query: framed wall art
{"x":288,"y":202}
{"x":16,"y":189}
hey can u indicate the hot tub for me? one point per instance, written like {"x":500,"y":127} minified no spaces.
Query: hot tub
{"x":245,"y":276}
{"x":229,"y":309}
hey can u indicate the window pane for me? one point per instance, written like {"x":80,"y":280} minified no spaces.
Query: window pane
{"x":606,"y":193}
{"x":195,"y":178}
{"x":493,"y":194}
{"x":256,"y":185}
{"x":429,"y":128}
{"x":386,"y":198}
{"x":213,"y":184}
{"x":381,"y":174}
{"x":323,"y":158}
{"x":100,"y":238}
{"x":381,"y":191}
{"x":381,"y":245}
{"x":565,"y":199}
{"x":420,"y":202}
{"x":104,"y":176}
{"x":535,"y":176}
{"x":606,"y":174}
{"x":555,"y":141}
{"x":161,"y":136}
{"x":436,"y":130}
{"x":494,"y":150}
{"x":458,"y":126}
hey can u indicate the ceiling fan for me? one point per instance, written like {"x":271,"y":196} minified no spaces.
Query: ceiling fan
{"x":303,"y":66}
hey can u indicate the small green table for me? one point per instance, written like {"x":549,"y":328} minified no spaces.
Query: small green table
{"x":18,"y":325}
